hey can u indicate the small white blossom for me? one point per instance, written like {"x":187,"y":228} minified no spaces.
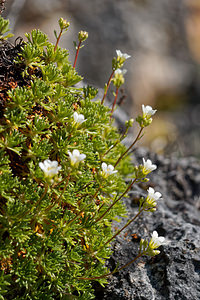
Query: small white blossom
{"x":148,"y":166}
{"x":122,"y":55}
{"x":78,"y":118}
{"x":107,"y":170}
{"x":152,"y":195}
{"x":151,"y":200}
{"x":148,"y":111}
{"x":50,"y":168}
{"x":156,"y":240}
{"x":76,"y":157}
{"x":120,"y":72}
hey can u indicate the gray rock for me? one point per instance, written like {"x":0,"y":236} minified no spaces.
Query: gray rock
{"x":174,"y":273}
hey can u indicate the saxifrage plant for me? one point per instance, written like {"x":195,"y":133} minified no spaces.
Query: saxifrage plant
{"x":62,"y":172}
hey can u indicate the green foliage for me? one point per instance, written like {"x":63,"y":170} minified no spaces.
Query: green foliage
{"x":49,"y":233}
{"x":4,"y":27}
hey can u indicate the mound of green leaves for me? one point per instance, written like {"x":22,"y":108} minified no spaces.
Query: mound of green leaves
{"x":52,"y":232}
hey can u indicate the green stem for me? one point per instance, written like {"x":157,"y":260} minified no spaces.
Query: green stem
{"x":59,"y":199}
{"x":66,"y":184}
{"x":37,"y":203}
{"x":61,"y":181}
{"x":84,"y":207}
{"x":108,"y":84}
{"x":115,"y":144}
{"x":101,"y":206}
{"x":85,"y":186}
{"x":120,"y":197}
{"x":94,"y":196}
{"x":80,"y":212}
{"x":137,"y":138}
{"x":95,"y":214}
{"x":43,"y":195}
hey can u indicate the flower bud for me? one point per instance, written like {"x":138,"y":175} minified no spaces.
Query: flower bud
{"x":82,"y":36}
{"x":155,"y":252}
{"x":118,"y":79}
{"x":63,"y":24}
{"x":129,"y":123}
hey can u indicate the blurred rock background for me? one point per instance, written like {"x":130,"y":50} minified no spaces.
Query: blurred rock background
{"x":163,"y":38}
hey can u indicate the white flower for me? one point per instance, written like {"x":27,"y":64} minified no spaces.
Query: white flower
{"x":50,"y":168}
{"x":76,"y":157}
{"x":148,"y":166}
{"x":122,"y":55}
{"x":78,"y":118}
{"x":152,"y":195}
{"x":151,"y":200}
{"x":148,"y":111}
{"x":107,"y":170}
{"x":120,"y":72}
{"x":156,"y":240}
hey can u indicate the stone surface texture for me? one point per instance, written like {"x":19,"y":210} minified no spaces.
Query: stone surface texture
{"x":175,"y":272}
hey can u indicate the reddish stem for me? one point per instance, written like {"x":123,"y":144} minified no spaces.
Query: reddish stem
{"x":115,"y":271}
{"x":115,"y":100}
{"x":108,"y":84}
{"x":122,"y":195}
{"x":80,"y":212}
{"x":119,"y":231}
{"x":58,"y":39}
{"x":115,"y":144}
{"x":94,"y":196}
{"x":77,"y":52}
{"x":119,"y":159}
